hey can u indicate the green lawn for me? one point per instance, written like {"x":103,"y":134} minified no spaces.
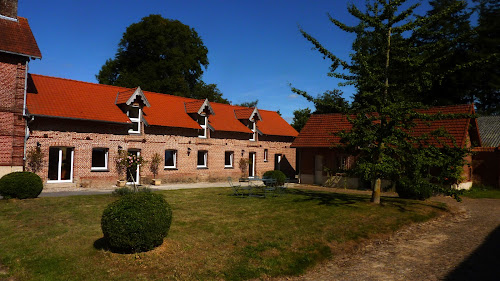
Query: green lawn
{"x":481,"y":191}
{"x":214,"y":235}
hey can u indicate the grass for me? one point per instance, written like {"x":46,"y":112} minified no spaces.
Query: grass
{"x":483,"y":191}
{"x":213,"y":236}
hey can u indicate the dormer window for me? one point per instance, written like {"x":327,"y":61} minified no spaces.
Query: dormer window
{"x":203,"y":121}
{"x":251,"y":126}
{"x":134,"y":114}
{"x":132,"y":102}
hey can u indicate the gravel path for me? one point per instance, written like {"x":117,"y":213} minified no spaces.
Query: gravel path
{"x":461,"y":245}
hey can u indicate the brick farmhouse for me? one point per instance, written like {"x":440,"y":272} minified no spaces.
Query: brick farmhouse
{"x":80,"y":127}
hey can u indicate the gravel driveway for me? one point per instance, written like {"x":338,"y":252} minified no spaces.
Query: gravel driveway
{"x":461,"y":245}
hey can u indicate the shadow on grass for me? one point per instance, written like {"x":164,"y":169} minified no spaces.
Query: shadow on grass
{"x":341,"y":199}
{"x":483,"y":263}
{"x":328,"y":199}
{"x":103,"y":245}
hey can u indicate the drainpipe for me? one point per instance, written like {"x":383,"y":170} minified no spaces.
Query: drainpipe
{"x":26,"y":130}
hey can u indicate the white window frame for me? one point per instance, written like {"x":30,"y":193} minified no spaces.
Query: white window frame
{"x":266,"y":153}
{"x":254,"y":130}
{"x":59,"y":166}
{"x":174,"y":158}
{"x":231,"y":159}
{"x":106,"y":157}
{"x":204,"y":127}
{"x":205,"y":159}
{"x":135,"y":120}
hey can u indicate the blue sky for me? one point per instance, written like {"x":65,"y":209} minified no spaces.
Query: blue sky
{"x":255,"y":47}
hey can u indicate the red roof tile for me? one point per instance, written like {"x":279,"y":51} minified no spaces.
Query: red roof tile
{"x":193,"y":106}
{"x":123,"y":97}
{"x":243,"y":113}
{"x":320,"y":130}
{"x":58,"y":97}
{"x":16,"y":37}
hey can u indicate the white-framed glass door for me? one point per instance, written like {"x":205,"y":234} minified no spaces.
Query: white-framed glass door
{"x":61,"y":164}
{"x":251,"y":164}
{"x":133,"y":171}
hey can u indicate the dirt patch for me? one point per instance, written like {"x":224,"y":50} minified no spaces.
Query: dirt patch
{"x":440,"y":249}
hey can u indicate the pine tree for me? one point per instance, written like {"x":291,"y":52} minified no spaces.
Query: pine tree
{"x":445,"y":43}
{"x":486,"y":48}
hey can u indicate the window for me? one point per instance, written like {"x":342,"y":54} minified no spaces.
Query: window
{"x":203,"y":120}
{"x":342,"y":163}
{"x":134,"y":114}
{"x":251,"y":126}
{"x":265,"y":155}
{"x":228,"y":159}
{"x":170,"y":159}
{"x":277,"y":161}
{"x":99,"y":159}
{"x":202,"y":159}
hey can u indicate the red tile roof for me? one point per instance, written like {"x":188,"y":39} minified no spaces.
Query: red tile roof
{"x":58,"y":97}
{"x":16,"y":37}
{"x":244,"y":113}
{"x":123,"y":97}
{"x":320,"y":130}
{"x":193,"y":106}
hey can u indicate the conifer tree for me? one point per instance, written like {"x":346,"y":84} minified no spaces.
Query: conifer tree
{"x":382,"y":115}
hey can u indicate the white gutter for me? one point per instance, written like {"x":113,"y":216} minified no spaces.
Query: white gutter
{"x":26,"y":130}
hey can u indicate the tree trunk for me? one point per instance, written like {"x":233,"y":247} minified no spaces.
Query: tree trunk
{"x":376,"y":191}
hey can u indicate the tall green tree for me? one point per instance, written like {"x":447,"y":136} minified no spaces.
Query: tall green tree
{"x":450,"y":35}
{"x":300,"y":117}
{"x":249,"y":103}
{"x":160,"y":55}
{"x":486,"y":48}
{"x":382,"y":117}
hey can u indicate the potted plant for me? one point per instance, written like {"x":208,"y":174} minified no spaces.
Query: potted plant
{"x":243,"y":165}
{"x":154,"y":168}
{"x":121,"y":168}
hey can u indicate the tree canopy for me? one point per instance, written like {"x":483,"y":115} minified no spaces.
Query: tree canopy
{"x":161,"y":55}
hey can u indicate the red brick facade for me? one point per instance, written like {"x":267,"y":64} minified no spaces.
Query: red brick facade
{"x":83,"y":136}
{"x":12,"y":129}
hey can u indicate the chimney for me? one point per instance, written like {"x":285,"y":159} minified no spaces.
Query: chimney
{"x":8,"y":8}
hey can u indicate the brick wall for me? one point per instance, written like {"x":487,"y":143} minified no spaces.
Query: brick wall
{"x":85,"y":135}
{"x":12,"y":124}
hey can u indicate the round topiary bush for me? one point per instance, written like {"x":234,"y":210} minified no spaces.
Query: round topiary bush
{"x":279,"y":176}
{"x":414,"y":189}
{"x":136,"y":222}
{"x":21,"y":185}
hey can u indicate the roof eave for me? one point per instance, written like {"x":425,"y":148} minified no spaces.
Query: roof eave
{"x":21,"y":54}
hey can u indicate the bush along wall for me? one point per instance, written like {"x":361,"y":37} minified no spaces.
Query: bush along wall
{"x":21,"y":185}
{"x":136,"y":222}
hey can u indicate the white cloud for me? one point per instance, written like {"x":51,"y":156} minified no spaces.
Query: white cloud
{"x":293,"y":96}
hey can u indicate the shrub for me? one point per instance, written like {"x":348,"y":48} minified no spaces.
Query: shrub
{"x":136,"y":222}
{"x":34,"y":159}
{"x":414,"y":188}
{"x":279,"y":176}
{"x":21,"y":185}
{"x":154,"y":165}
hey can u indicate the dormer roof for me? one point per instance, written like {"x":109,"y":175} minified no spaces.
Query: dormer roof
{"x":130,"y":95}
{"x":251,"y":114}
{"x":199,"y":107}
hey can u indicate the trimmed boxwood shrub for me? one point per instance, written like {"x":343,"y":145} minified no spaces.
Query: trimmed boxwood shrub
{"x":21,"y":185}
{"x":136,"y":222}
{"x":414,"y":189}
{"x":279,"y":176}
